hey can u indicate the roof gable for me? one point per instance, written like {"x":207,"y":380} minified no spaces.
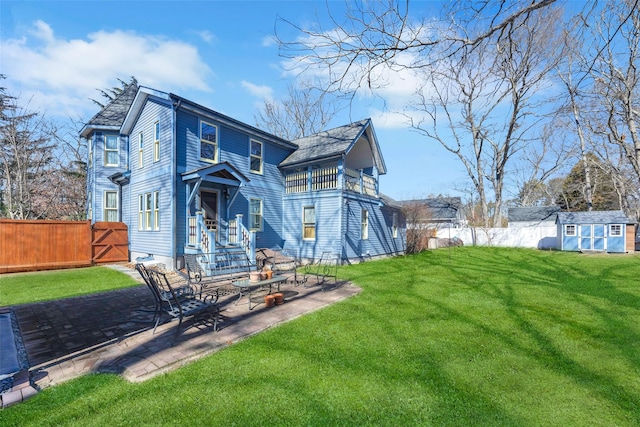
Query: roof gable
{"x":333,"y":143}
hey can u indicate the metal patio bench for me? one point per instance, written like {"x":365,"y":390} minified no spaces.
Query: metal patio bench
{"x":178,"y":302}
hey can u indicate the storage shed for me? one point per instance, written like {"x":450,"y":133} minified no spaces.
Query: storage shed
{"x":605,"y":231}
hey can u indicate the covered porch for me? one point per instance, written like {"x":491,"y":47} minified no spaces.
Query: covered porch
{"x":211,"y":191}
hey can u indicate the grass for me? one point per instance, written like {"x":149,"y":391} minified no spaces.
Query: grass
{"x":21,"y":288}
{"x":463,"y":336}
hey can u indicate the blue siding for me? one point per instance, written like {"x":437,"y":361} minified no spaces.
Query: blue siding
{"x":153,"y":176}
{"x":100,"y":173}
{"x":329,"y":231}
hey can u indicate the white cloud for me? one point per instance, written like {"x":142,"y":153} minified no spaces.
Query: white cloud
{"x":207,"y":36}
{"x":61,"y":75}
{"x":260,"y":91}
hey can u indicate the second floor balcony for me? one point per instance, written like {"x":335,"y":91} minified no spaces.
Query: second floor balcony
{"x":331,"y":178}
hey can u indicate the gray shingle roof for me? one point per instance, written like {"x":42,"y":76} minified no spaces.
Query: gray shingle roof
{"x":441,"y":208}
{"x":333,"y":142}
{"x":113,"y":114}
{"x":594,"y":217}
{"x":533,"y":213}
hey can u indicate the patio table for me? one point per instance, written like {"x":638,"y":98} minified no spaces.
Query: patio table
{"x":247,"y":286}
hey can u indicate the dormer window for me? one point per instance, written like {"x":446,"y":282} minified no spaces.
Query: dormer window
{"x":208,"y":142}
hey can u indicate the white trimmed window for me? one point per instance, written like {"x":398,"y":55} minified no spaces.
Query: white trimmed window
{"x":147,"y":211}
{"x":156,"y":142}
{"x":570,"y":230}
{"x":255,"y":157}
{"x":615,"y":230}
{"x":309,"y":223}
{"x":156,"y":210}
{"x":90,"y":142}
{"x":208,"y":142}
{"x":140,"y":212}
{"x":140,"y":150}
{"x":364,"y":224}
{"x":255,"y":214}
{"x":111,"y":150}
{"x":394,"y":227}
{"x":111,"y":206}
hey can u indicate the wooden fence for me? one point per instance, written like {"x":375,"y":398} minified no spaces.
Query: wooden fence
{"x":31,"y":245}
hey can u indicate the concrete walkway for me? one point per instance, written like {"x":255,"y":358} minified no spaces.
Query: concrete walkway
{"x":112,"y":332}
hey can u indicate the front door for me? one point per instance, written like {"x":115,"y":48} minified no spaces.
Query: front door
{"x":209,"y":208}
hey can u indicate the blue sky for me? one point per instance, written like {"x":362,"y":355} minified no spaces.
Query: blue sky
{"x":55,"y":54}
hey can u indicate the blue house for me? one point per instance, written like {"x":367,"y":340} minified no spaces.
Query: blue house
{"x":605,"y":231}
{"x":187,"y":179}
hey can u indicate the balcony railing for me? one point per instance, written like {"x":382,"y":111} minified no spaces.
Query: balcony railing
{"x":328,"y":179}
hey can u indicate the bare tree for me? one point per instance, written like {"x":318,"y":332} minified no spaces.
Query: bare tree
{"x":477,"y":71}
{"x":26,"y":152}
{"x":304,"y":111}
{"x":378,"y":35}
{"x":484,"y":104}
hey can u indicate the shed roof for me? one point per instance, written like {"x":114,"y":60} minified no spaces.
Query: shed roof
{"x":594,"y":217}
{"x":533,"y":213}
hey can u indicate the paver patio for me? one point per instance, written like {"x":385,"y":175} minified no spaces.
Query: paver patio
{"x":112,"y":332}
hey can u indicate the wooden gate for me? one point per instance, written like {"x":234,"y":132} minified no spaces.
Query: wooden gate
{"x":109,"y":242}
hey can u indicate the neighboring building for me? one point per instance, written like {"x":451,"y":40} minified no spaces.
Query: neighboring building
{"x":606,"y":231}
{"x":187,"y":179}
{"x":438,"y":213}
{"x":533,"y":216}
{"x":533,"y":226}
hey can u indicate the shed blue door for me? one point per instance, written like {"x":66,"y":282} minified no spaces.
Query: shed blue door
{"x":592,"y":237}
{"x":598,"y":237}
{"x":585,"y":237}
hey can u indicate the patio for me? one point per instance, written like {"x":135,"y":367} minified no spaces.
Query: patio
{"x":112,"y":332}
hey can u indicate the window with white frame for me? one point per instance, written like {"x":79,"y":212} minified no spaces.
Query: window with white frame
{"x":255,"y":214}
{"x":256,"y":157}
{"x":141,"y":212}
{"x":146,"y":211}
{"x":110,"y":206}
{"x":111,"y":153}
{"x":90,"y":143}
{"x":208,"y":142}
{"x":394,"y":227}
{"x":570,"y":230}
{"x":309,"y":223}
{"x":364,"y":224}
{"x":156,"y":210}
{"x":156,"y":141}
{"x":615,"y":230}
{"x":140,"y":150}
{"x":148,"y":203}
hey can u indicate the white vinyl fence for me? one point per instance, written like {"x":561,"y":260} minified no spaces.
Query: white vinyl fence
{"x":541,"y":237}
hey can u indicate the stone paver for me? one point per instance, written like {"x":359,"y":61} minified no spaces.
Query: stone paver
{"x":112,"y":332}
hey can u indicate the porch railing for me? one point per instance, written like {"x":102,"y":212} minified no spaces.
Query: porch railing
{"x":329,"y":179}
{"x":204,"y":239}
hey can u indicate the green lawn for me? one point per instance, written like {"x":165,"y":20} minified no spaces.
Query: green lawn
{"x":461,"y":336}
{"x":20,"y":288}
